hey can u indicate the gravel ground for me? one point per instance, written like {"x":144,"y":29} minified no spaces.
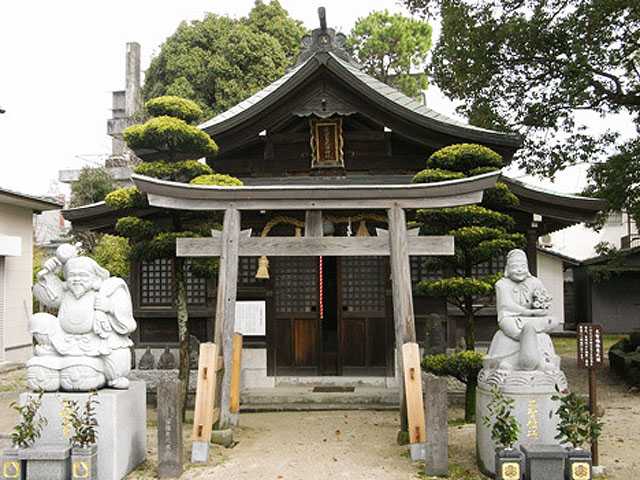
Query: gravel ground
{"x":361,"y":444}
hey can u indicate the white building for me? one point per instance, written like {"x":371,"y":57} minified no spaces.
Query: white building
{"x":16,"y":271}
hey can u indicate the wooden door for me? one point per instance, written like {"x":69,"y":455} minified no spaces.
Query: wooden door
{"x":363,"y":315}
{"x":297,"y":320}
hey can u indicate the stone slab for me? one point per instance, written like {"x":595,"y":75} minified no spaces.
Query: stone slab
{"x":535,"y":412}
{"x":436,"y":417}
{"x":121,"y":415}
{"x":170,"y":446}
{"x":544,"y":461}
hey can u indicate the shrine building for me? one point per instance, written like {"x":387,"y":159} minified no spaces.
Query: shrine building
{"x":324,"y":151}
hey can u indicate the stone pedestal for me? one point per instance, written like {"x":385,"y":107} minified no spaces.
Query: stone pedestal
{"x":122,"y":418}
{"x":47,"y":462}
{"x":533,"y":408}
{"x":544,"y":461}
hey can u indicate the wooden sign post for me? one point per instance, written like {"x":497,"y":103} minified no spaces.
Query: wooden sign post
{"x":590,"y":357}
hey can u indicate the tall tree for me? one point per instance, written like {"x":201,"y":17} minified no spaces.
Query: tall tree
{"x":393,"y":49}
{"x":219,"y":61}
{"x":92,"y":186}
{"x":169,"y":134}
{"x":531,"y":65}
{"x":481,"y":232}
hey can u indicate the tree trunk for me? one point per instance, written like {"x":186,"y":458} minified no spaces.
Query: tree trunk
{"x":469,"y":327}
{"x":183,"y":333}
{"x":470,"y":401}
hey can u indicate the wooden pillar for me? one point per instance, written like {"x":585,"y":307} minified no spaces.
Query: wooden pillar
{"x":405,"y":329}
{"x":226,"y":309}
{"x":313,"y":223}
{"x":532,"y":248}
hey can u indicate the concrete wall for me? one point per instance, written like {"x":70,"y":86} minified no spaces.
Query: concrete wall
{"x":18,"y":222}
{"x":551,"y":273}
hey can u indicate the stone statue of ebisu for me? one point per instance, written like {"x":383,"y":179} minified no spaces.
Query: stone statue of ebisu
{"x":522,"y":305}
{"x":521,"y":361}
{"x":86,"y":346}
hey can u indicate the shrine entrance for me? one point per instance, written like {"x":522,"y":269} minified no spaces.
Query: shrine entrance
{"x":359,"y":306}
{"x":333,"y":316}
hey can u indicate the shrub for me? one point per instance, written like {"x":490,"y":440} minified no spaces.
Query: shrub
{"x":170,"y":136}
{"x":504,"y":426}
{"x":464,"y":366}
{"x":112,"y":253}
{"x":92,"y":186}
{"x":577,"y":426}
{"x":173,"y":106}
{"x":218,"y":179}
{"x":31,"y":422}
{"x":182,"y":171}
{"x":432,"y":175}
{"x":127,"y":197}
{"x":83,"y":422}
{"x":464,"y":157}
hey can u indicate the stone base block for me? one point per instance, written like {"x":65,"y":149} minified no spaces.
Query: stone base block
{"x":533,"y":409}
{"x":544,"y":461}
{"x":122,"y":419}
{"x":222,"y":437}
{"x":46,"y":462}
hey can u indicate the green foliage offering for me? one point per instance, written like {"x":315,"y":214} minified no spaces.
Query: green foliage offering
{"x":480,"y":233}
{"x":183,"y":171}
{"x":504,"y":426}
{"x":219,"y":61}
{"x":465,"y":366}
{"x":433,"y":175}
{"x":170,"y":136}
{"x":80,"y":424}
{"x":173,"y":106}
{"x":465,"y":157}
{"x":392,"y":48}
{"x":92,"y":186}
{"x":31,"y":422}
{"x":218,"y":179}
{"x":126,"y":197}
{"x":112,"y":252}
{"x":577,"y":426}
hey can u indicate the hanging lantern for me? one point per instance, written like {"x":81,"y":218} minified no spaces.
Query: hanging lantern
{"x":263,"y":268}
{"x":363,"y":231}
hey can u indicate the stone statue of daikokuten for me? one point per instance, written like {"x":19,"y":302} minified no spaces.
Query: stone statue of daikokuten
{"x":522,"y":304}
{"x":86,"y":346}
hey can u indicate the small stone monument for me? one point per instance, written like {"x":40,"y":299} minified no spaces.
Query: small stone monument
{"x":86,"y":347}
{"x":521,"y":361}
{"x":170,"y":448}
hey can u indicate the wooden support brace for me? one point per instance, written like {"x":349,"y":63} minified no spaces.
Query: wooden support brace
{"x":203,"y":416}
{"x":413,"y":392}
{"x":236,"y":369}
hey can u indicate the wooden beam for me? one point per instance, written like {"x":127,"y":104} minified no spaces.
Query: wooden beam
{"x":413,"y":392}
{"x":162,"y":201}
{"x":226,"y":308}
{"x":203,"y":415}
{"x":305,"y":246}
{"x":405,"y":329}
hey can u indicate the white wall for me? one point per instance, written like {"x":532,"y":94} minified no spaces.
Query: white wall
{"x":16,"y":221}
{"x":551,"y":274}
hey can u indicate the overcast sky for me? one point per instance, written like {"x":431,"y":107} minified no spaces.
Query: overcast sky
{"x":60,"y":60}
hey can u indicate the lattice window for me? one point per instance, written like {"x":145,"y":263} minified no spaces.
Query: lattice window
{"x":247,"y":268}
{"x":493,"y":266}
{"x":420,"y":271}
{"x":363,"y":284}
{"x":296,"y":284}
{"x":156,"y":282}
{"x":196,"y":287}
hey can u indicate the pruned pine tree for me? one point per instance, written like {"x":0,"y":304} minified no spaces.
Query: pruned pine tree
{"x":175,"y":143}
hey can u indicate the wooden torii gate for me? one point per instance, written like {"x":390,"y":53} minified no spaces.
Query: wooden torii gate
{"x":231,"y":244}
